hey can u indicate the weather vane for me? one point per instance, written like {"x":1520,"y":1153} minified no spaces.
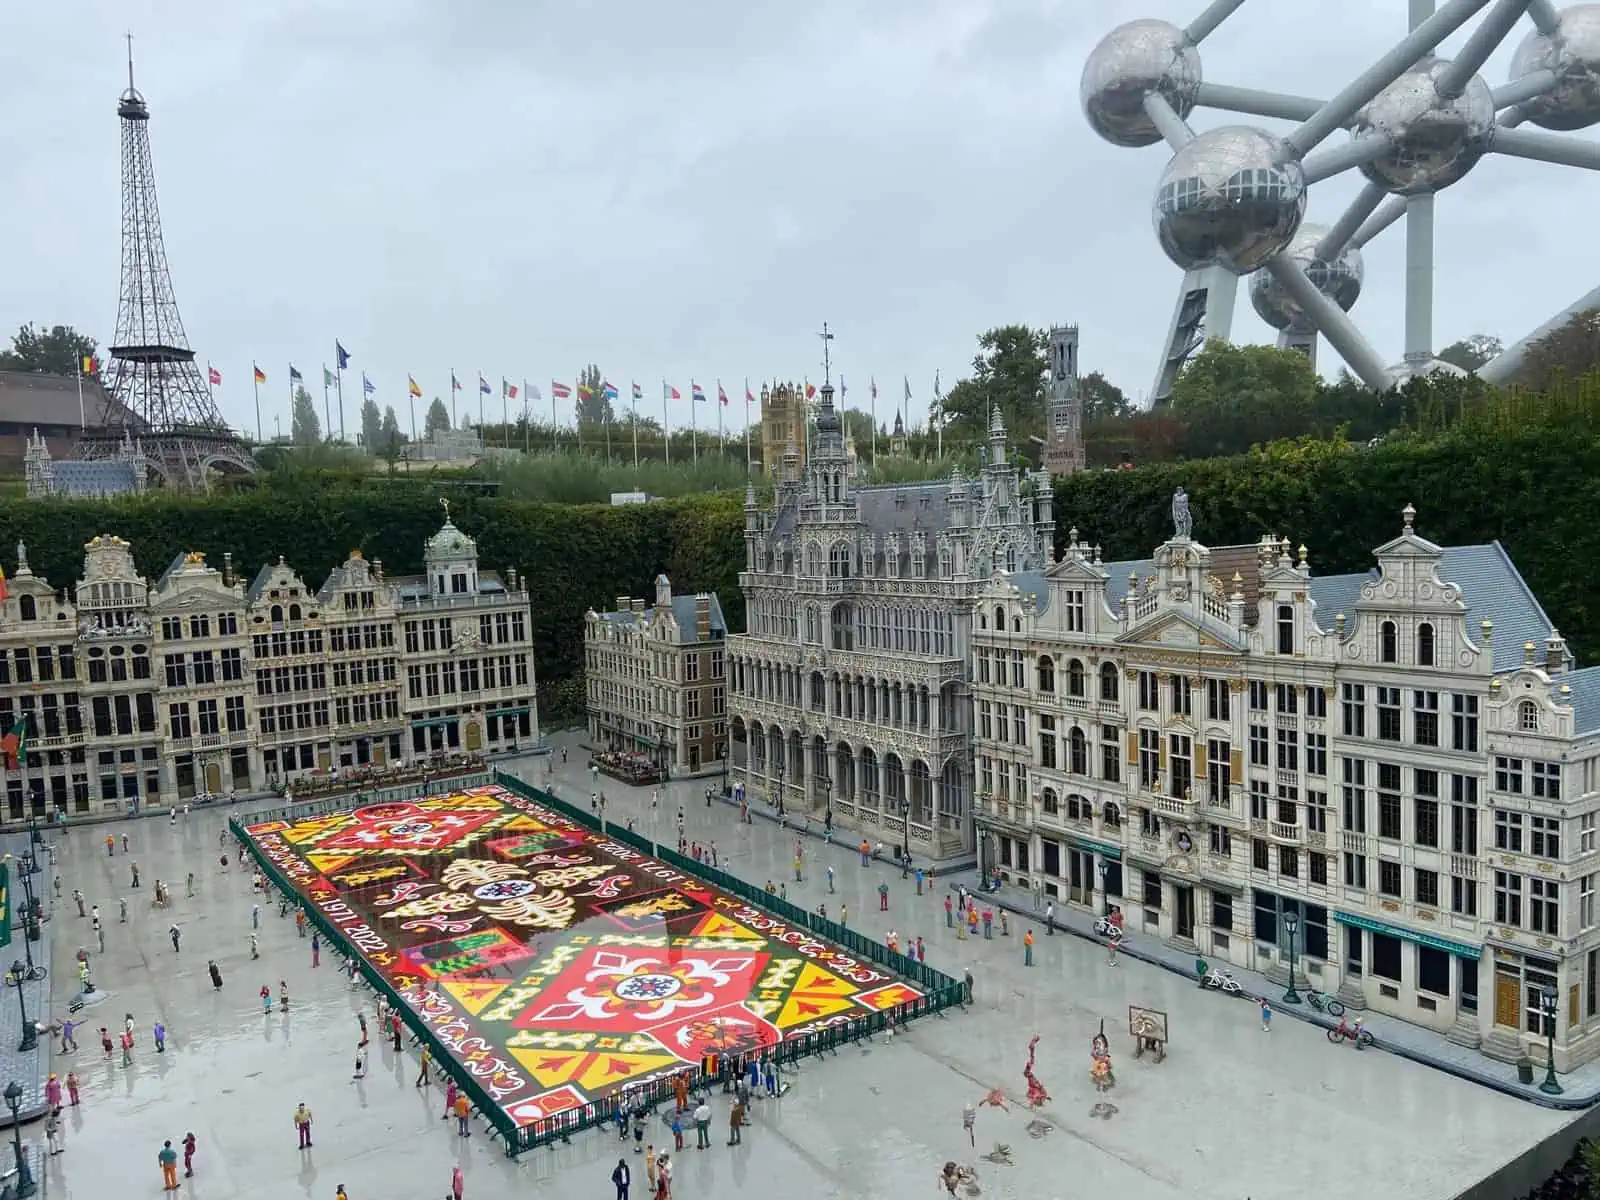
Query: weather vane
{"x":827,"y":361}
{"x":444,"y":503}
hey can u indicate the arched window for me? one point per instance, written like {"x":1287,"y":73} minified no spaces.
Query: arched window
{"x":1528,"y":717}
{"x":1111,"y":816}
{"x":1388,"y":643}
{"x":1047,"y":674}
{"x":1285,"y":629}
{"x":1051,"y":806}
{"x":1074,"y":677}
{"x":1108,"y":682}
{"x":1078,"y":752}
{"x":839,"y":561}
{"x":27,"y":608}
{"x":999,"y":618}
{"x":1424,"y":645}
{"x":844,"y":627}
{"x":294,"y":612}
{"x":277,"y":614}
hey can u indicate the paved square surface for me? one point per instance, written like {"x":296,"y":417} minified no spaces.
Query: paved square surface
{"x":587,"y":966}
{"x":1231,"y":1113}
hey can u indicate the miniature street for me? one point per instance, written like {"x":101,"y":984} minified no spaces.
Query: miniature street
{"x":1231,"y":1112}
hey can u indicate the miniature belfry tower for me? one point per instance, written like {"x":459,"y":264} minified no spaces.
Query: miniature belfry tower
{"x":1063,"y":451}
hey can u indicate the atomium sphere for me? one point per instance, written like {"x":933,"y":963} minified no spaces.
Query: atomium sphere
{"x":1573,"y":54}
{"x":1233,"y":197}
{"x":1130,"y":63}
{"x":1404,"y":372}
{"x":1338,"y":280}
{"x":1436,"y":141}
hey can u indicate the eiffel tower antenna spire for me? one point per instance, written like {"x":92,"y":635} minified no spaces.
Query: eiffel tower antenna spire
{"x":163,"y":401}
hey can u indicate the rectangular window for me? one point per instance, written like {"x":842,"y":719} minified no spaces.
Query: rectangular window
{"x":1316,"y":752}
{"x":1317,"y":868}
{"x":1317,"y":812}
{"x":1260,"y":747}
{"x":1425,"y":718}
{"x":1508,"y":775}
{"x":1427,"y":885}
{"x":1289,"y":862}
{"x":1217,"y":697}
{"x":1544,"y":837}
{"x":1546,"y":779}
{"x":1316,"y":703}
{"x":1149,"y":757}
{"x":1355,"y":870}
{"x":1288,"y":750}
{"x":1426,"y":819}
{"x":1180,"y":765}
{"x":1508,"y":831}
{"x":1182,"y":696}
{"x":1389,"y":714}
{"x":1074,"y":612}
{"x":1047,"y":742}
{"x":1258,"y":695}
{"x":1586,"y":833}
{"x":1353,"y":708}
{"x":1149,"y":692}
{"x":1388,"y":878}
{"x":1463,"y":896}
{"x":233,"y":713}
{"x":1389,"y":801}
{"x":1219,"y":770}
{"x":1260,"y":800}
{"x":1507,"y":898}
{"x":1544,"y":909}
{"x":1259,"y":854}
{"x":1355,"y":795}
{"x":1586,"y":902}
{"x":1288,"y":699}
{"x":1464,"y":723}
{"x":178,"y":721}
{"x":1463,"y":816}
{"x":1221,"y":841}
{"x":1110,"y":754}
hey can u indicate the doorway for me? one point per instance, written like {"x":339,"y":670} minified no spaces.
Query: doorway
{"x":694,"y":756}
{"x":214,"y":777}
{"x":1080,"y":876}
{"x":1183,"y":919}
{"x":1507,"y":998}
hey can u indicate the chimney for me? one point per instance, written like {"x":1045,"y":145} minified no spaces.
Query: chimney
{"x":227,"y":568}
{"x":702,"y":617}
{"x":638,"y":605}
{"x":377,"y":569}
{"x":623,"y":605}
{"x":1555,"y":653}
{"x":511,"y":578}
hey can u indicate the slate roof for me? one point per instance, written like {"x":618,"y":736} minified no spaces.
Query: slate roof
{"x":683,"y":612}
{"x":926,"y":507}
{"x":74,"y":477}
{"x":33,"y":398}
{"x":173,"y":568}
{"x":259,"y":583}
{"x":1585,"y":699}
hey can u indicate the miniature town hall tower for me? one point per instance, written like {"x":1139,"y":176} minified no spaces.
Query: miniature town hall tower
{"x":1063,"y":452}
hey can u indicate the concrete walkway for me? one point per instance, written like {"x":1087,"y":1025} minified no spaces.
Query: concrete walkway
{"x":29,"y":1068}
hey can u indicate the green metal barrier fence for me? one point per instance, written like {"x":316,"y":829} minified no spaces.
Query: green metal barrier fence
{"x":939,"y":990}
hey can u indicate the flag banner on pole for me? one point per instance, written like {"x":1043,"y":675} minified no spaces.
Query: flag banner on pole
{"x":327,"y":377}
{"x":89,"y":365}
{"x":841,"y":391}
{"x":668,"y":392}
{"x":533,"y":392}
{"x":585,"y":392}
{"x":560,"y":391}
{"x":455,"y":384}
{"x":609,"y":390}
{"x":874,"y":388}
{"x":908,"y":388}
{"x":213,"y":376}
{"x":638,"y":392}
{"x":722,"y":396}
{"x":696,"y":392}
{"x":412,"y":387}
{"x":261,"y":376}
{"x":749,"y":399}
{"x":5,"y":592}
{"x":294,"y":374}
{"x":507,"y":389}
{"x":342,"y":354}
{"x":483,"y":387}
{"x":366,"y":385}
{"x":811,"y":391}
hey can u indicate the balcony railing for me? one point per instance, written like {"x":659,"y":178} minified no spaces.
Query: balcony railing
{"x":1284,"y":831}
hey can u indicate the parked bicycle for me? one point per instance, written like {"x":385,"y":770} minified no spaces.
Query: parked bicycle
{"x":1222,"y":981}
{"x":1324,"y":1002}
{"x":1356,"y":1034}
{"x":15,"y":977}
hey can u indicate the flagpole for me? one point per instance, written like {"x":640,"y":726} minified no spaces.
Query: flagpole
{"x":327,"y":413}
{"x":874,"y":395}
{"x":453,"y":390}
{"x":411,"y":404}
{"x":938,"y":402}
{"x":338,"y":386}
{"x":211,"y":390}
{"x":505,"y":416}
{"x":527,"y":424}
{"x":635,"y":427}
{"x":83,"y":422}
{"x":694,"y":427}
{"x":748,"y":461}
{"x":279,"y":432}
{"x":555,"y":441}
{"x":666,"y":424}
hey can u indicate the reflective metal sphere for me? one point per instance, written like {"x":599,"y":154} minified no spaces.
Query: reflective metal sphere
{"x":1338,"y":280}
{"x":1233,"y":196}
{"x":1436,"y":141}
{"x":1131,"y":62}
{"x":1574,"y":55}
{"x":1403,"y":373}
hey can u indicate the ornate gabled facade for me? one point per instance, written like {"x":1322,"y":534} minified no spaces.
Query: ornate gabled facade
{"x":849,"y":690}
{"x":1387,"y":779}
{"x":785,"y":426}
{"x":657,"y":680}
{"x":360,"y":614}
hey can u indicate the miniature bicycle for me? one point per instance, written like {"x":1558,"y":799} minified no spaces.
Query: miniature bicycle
{"x":15,"y":977}
{"x":1358,"y":1036}
{"x":1108,"y":929}
{"x":1324,"y":1002}
{"x":1222,"y":981}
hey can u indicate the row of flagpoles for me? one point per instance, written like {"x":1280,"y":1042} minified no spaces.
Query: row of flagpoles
{"x":333,"y":385}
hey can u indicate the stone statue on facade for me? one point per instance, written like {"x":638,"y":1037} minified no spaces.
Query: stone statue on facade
{"x":1182,"y":522}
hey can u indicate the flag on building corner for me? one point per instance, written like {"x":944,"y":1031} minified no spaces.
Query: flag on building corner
{"x":722,"y":396}
{"x":261,"y":376}
{"x":696,"y":393}
{"x":411,"y":386}
{"x":342,"y":354}
{"x":213,"y":376}
{"x":15,"y":744}
{"x":483,"y":386}
{"x":560,"y":391}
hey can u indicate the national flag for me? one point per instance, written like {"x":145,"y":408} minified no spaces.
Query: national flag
{"x":342,"y":354}
{"x":91,"y":364}
{"x":327,"y":378}
{"x":294,"y":374}
{"x":15,"y":744}
{"x":722,"y":396}
{"x":668,"y":392}
{"x":5,"y":592}
{"x":585,"y":392}
{"x":907,"y":378}
{"x":508,"y":390}
{"x":841,"y":389}
{"x":533,"y":391}
{"x":696,"y":393}
{"x":261,"y":376}
{"x":411,"y":386}
{"x":366,"y":385}
{"x":874,"y":388}
{"x":609,"y":390}
{"x":749,"y":398}
{"x":638,"y":392}
{"x":213,"y":376}
{"x":811,"y":391}
{"x":560,"y":391}
{"x":455,"y":384}
{"x":483,"y":386}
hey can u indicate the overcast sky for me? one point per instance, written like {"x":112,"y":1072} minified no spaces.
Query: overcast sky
{"x":673,"y":190}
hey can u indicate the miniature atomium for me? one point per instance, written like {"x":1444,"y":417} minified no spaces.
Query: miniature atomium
{"x":1437,"y":140}
{"x":1338,"y":280}
{"x":1573,"y":55}
{"x":1403,"y":373}
{"x":1139,"y":59}
{"x":1233,"y":196}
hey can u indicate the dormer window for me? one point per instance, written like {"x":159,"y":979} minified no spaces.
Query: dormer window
{"x":1388,"y":642}
{"x":999,"y":618}
{"x":1285,"y":629}
{"x":1527,"y":717}
{"x":458,"y":583}
{"x":27,"y":608}
{"x":1424,"y":645}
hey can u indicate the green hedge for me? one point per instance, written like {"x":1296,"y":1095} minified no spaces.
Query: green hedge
{"x":1525,"y":472}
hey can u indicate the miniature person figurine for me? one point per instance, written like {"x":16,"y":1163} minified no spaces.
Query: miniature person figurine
{"x":1266,"y":1016}
{"x":1100,"y":1062}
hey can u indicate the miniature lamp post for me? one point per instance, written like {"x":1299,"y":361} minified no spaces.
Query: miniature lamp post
{"x":1105,"y":898}
{"x":1291,"y":925}
{"x":25,"y":1185}
{"x":1547,"y":1005}
{"x":30,"y":1034}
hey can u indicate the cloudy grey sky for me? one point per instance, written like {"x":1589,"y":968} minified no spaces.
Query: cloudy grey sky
{"x":673,"y":190}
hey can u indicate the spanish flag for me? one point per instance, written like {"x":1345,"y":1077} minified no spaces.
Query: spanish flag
{"x":411,"y":386}
{"x":261,"y":376}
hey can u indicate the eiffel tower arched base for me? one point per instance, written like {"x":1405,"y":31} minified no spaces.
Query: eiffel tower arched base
{"x":180,"y":461}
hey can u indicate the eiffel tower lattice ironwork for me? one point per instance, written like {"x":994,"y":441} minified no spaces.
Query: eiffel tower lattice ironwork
{"x":163,"y":400}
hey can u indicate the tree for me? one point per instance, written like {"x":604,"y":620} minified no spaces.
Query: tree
{"x":1009,"y":371}
{"x":57,"y":351}
{"x":1470,"y":353}
{"x":1572,"y":350}
{"x":390,"y":439}
{"x":594,"y":406}
{"x":1102,"y":398}
{"x":304,"y":427}
{"x":371,"y":424}
{"x":437,"y":420}
{"x":1231,"y":397}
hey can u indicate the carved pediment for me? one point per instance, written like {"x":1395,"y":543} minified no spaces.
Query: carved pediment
{"x":1179,"y":631}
